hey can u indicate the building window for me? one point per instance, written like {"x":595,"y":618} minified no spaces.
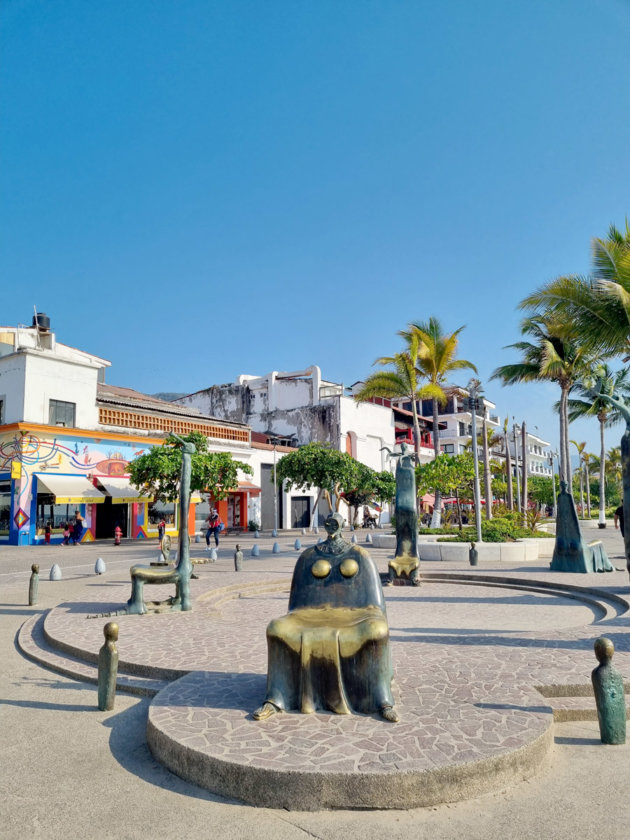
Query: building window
{"x":61,"y":413}
{"x":448,"y":448}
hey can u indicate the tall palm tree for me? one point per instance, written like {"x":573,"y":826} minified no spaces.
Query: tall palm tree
{"x":599,"y":304}
{"x":436,"y":360}
{"x":401,"y":380}
{"x":587,"y":401}
{"x":554,"y":355}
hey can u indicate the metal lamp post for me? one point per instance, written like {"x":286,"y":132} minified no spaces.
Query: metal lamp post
{"x":515,"y":430}
{"x":274,"y":441}
{"x":473,"y":403}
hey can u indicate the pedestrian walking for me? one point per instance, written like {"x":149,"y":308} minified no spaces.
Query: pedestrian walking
{"x":214,"y":528}
{"x":618,"y":518}
{"x":78,"y":528}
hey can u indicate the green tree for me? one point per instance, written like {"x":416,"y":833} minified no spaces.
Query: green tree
{"x":554,"y":354}
{"x":589,"y":400}
{"x":157,"y":472}
{"x":319,"y":465}
{"x":400,"y":381}
{"x":598,"y":304}
{"x":448,"y":474}
{"x":368,"y":487}
{"x":541,"y":489}
{"x":436,"y":361}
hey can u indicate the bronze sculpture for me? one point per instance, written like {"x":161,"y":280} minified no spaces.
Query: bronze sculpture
{"x":571,"y":553}
{"x":405,"y":563}
{"x":609,"y":694}
{"x":331,"y":651}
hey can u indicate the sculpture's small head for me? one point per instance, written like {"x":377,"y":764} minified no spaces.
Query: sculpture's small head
{"x":334,"y":524}
{"x":604,"y":649}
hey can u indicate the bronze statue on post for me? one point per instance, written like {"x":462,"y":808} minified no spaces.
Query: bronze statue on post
{"x":405,"y":563}
{"x":331,"y":651}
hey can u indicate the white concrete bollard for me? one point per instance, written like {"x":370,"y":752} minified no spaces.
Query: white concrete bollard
{"x":256,"y":550}
{"x":99,"y":566}
{"x":55,"y":572}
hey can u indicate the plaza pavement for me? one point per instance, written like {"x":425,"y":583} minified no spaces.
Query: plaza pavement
{"x":72,"y":770}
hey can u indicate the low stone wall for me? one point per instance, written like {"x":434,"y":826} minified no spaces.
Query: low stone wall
{"x":521,"y":551}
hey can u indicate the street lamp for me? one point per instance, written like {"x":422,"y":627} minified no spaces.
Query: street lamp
{"x":274,"y":441}
{"x":472,"y":403}
{"x":515,"y":432}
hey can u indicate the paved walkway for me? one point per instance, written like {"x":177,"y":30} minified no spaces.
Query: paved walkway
{"x":486,"y":633}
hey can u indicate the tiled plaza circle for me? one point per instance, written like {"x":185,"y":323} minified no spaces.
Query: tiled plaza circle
{"x":467,"y":660}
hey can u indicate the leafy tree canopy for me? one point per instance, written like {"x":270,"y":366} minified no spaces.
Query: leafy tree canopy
{"x":447,"y":473}
{"x":158,"y":471}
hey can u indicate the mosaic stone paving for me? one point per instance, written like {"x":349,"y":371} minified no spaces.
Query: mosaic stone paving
{"x":467,"y":659}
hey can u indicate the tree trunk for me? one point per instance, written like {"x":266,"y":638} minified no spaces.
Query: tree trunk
{"x":602,"y":417}
{"x":416,"y":430}
{"x":436,"y":519}
{"x":581,"y":468}
{"x":315,"y":509}
{"x":487,"y":478}
{"x":565,"y":456}
{"x":625,"y":472}
{"x":524,"y":441}
{"x":588,"y":491}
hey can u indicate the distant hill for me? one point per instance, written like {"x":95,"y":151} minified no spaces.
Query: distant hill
{"x":169,"y":396}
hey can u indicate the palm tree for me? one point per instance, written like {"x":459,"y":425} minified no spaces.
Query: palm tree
{"x":435,"y":362}
{"x":487,"y":439}
{"x":554,"y":355}
{"x":402,"y":380}
{"x":613,"y":468}
{"x":599,"y":305}
{"x":588,"y":402}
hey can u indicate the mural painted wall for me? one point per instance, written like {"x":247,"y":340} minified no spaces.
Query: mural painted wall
{"x":26,"y":456}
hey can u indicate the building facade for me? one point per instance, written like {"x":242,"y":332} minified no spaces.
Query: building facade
{"x":66,"y":439}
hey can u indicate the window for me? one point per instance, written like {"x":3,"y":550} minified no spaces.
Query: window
{"x":61,"y":413}
{"x":5,"y":506}
{"x":449,"y":448}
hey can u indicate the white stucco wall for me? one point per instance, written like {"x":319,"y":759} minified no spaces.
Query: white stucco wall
{"x":372,"y":426}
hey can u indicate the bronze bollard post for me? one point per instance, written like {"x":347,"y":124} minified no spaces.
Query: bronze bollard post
{"x":108,"y":668}
{"x":238,"y":559}
{"x":609,"y":696}
{"x":33,"y":585}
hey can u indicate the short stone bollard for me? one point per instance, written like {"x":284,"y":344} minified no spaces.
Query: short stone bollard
{"x":33,"y":585}
{"x":238,"y":559}
{"x":609,"y":695}
{"x":354,"y":539}
{"x":276,"y":548}
{"x":99,"y":566}
{"x":197,"y":538}
{"x":213,"y":555}
{"x":55,"y":572}
{"x":256,"y":550}
{"x":108,"y":668}
{"x":297,"y":545}
{"x":368,"y":538}
{"x":303,"y":532}
{"x":473,"y":555}
{"x":256,"y":534}
{"x":316,"y":530}
{"x":274,"y":533}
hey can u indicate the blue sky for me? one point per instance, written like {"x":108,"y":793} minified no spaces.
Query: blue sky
{"x":194,"y":190}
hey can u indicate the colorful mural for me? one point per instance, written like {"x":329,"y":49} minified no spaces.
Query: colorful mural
{"x":62,"y":455}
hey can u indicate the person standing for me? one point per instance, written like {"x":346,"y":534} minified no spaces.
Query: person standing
{"x":618,"y":518}
{"x":161,"y":530}
{"x":214,"y":528}
{"x":78,"y":528}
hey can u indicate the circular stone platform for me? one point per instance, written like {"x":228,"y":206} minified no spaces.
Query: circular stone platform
{"x":468,"y":656}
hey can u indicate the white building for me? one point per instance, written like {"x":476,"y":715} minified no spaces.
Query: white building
{"x":300,"y":407}
{"x":67,"y":437}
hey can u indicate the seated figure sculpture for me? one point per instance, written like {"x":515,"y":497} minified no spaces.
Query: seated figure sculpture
{"x":331,"y":651}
